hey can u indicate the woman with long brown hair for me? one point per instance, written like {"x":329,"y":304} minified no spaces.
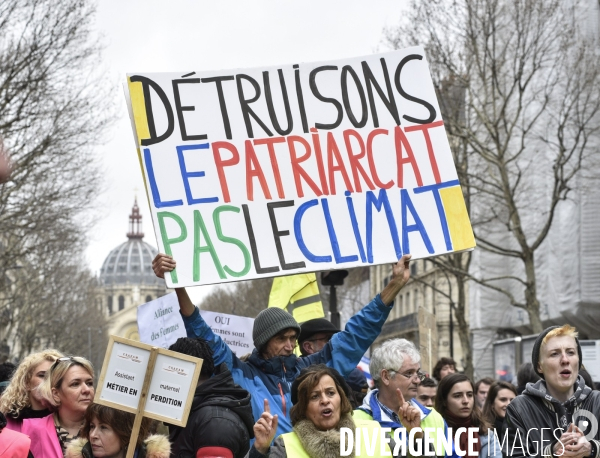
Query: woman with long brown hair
{"x":499,"y":397}
{"x":455,"y":400}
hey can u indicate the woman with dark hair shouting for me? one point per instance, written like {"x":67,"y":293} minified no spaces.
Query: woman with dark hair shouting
{"x":321,"y":409}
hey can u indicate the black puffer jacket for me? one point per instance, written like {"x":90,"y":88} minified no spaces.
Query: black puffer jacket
{"x":535,"y":409}
{"x":221,"y":416}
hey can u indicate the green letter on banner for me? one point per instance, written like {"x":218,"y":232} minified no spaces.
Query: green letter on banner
{"x":240,"y":245}
{"x":200,"y":226}
{"x":167,"y":242}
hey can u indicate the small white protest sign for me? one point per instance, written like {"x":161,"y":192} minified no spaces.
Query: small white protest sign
{"x":160,"y":324}
{"x":590,"y":353}
{"x":236,"y":331}
{"x":148,"y":381}
{"x":159,"y":321}
{"x":122,"y":379}
{"x":133,"y":372}
{"x":172,"y":381}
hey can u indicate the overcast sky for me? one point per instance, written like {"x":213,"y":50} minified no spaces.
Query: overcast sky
{"x":197,"y":35}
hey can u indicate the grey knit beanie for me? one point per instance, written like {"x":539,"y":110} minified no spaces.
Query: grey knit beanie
{"x":269,"y":323}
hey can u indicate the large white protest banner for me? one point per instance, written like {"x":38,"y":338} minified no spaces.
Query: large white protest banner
{"x":159,"y":321}
{"x":297,"y":168}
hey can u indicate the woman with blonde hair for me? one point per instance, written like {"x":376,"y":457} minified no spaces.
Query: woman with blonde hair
{"x":69,"y":388}
{"x":21,"y":399}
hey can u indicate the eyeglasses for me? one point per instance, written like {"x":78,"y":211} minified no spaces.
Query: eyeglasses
{"x":75,"y":359}
{"x":411,"y":374}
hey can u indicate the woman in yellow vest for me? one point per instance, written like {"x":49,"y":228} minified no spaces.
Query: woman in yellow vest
{"x":322,"y":422}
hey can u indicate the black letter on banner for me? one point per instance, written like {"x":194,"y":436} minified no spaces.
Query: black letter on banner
{"x":300,"y":98}
{"x":146,"y":84}
{"x":180,"y":109}
{"x":245,"y":104}
{"x":224,"y":115}
{"x":361,"y":93}
{"x":286,"y":103}
{"x":259,"y":269}
{"x":317,"y":94}
{"x":277,"y":234}
{"x":389,"y":102}
{"x":432,"y":113}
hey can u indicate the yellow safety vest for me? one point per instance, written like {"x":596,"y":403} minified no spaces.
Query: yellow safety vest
{"x":432,"y":420}
{"x":294,"y":449}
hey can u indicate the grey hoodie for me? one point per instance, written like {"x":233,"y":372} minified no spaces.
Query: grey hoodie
{"x":535,"y":420}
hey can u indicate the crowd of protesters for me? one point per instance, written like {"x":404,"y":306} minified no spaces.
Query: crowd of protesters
{"x":274,"y":403}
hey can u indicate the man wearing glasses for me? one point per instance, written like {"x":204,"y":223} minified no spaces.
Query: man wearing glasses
{"x":314,"y":335}
{"x":394,"y":366}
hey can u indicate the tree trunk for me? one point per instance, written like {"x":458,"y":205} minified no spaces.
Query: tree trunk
{"x":464,"y":330}
{"x":531,"y":301}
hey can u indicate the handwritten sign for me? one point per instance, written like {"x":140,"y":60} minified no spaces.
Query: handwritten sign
{"x":159,"y":321}
{"x":153,"y":382}
{"x":297,"y":168}
{"x":236,"y":331}
{"x":160,"y":324}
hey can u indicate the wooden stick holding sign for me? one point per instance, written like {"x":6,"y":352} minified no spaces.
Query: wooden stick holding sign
{"x":139,"y":415}
{"x":147,"y":381}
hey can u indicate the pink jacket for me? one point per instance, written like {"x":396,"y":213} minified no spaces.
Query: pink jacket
{"x":13,"y":444}
{"x":44,"y":441}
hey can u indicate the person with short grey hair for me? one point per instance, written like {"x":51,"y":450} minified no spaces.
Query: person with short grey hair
{"x":396,"y":370}
{"x":392,"y":353}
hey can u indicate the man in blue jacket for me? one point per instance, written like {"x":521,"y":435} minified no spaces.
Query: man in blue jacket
{"x":272,"y":367}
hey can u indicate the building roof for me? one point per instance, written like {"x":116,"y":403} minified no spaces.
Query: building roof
{"x":131,"y":261}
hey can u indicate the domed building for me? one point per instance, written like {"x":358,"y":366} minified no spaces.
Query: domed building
{"x":127,"y":279}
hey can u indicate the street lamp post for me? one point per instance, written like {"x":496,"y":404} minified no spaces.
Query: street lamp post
{"x":450,"y":307}
{"x":332,"y":279}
